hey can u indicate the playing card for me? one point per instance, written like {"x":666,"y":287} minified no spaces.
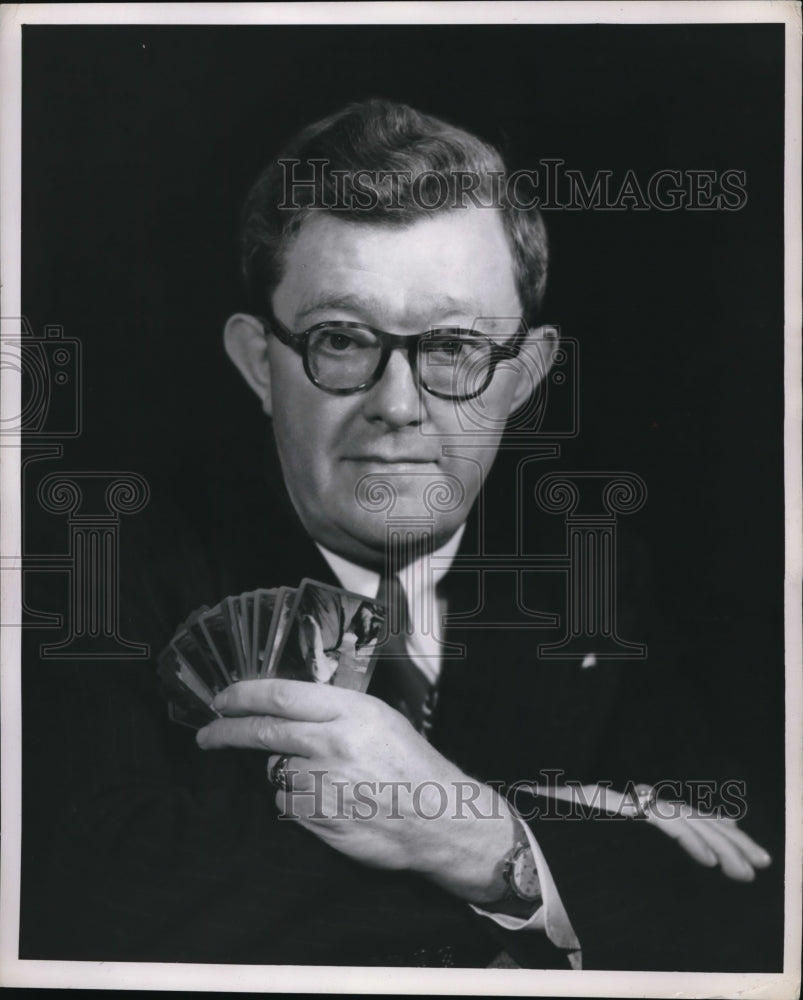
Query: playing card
{"x":331,"y":637}
{"x":197,"y":658}
{"x":192,"y":617}
{"x":190,"y":701}
{"x":232,"y":614}
{"x":189,"y":712}
{"x":216,"y":626}
{"x":285,"y":598}
{"x":245,"y":605}
{"x":193,"y":684}
{"x":263,"y":606}
{"x":316,"y":633}
{"x":166,"y":670}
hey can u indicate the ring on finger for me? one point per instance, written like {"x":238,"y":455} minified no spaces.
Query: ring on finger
{"x":647,"y":794}
{"x":277,"y":774}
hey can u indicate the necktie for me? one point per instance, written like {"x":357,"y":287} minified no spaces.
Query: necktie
{"x":397,"y":680}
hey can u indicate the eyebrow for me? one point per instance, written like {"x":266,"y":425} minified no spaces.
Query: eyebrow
{"x":369,"y":304}
{"x":335,"y":301}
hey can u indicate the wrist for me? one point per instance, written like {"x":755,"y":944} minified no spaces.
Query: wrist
{"x":472,"y":852}
{"x":522,"y":895}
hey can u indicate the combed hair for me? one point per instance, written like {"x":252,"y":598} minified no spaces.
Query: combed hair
{"x":336,"y":166}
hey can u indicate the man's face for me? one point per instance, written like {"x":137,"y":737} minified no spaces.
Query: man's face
{"x":450,"y":269}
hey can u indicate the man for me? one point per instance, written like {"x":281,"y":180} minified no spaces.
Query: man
{"x":377,"y":324}
{"x":348,"y":403}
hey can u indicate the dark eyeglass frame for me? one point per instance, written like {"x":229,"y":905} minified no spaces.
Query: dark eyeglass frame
{"x":389,"y":342}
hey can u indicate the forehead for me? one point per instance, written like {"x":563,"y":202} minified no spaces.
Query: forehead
{"x":456,"y":264}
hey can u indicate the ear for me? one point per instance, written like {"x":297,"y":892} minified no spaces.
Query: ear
{"x":536,"y":359}
{"x":247,"y":347}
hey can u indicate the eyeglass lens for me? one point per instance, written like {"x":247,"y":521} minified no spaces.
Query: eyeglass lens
{"x":450,"y":363}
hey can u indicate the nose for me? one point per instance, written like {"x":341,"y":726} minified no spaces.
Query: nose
{"x":395,"y":399}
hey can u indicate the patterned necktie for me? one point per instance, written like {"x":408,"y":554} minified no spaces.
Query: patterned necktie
{"x":397,"y":680}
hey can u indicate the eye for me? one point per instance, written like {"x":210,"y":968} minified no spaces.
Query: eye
{"x":338,"y":342}
{"x":451,"y":350}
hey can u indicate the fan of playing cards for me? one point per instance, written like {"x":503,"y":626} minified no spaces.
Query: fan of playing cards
{"x":313,"y":632}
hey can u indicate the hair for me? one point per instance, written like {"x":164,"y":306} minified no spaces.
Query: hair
{"x":357,"y":625}
{"x":382,"y":163}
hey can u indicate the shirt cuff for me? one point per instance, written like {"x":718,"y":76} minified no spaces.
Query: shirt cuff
{"x":550,"y":917}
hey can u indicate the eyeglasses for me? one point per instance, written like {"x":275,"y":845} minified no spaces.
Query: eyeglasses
{"x":449,"y":362}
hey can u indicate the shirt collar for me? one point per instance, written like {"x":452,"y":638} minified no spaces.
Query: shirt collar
{"x":366,"y":581}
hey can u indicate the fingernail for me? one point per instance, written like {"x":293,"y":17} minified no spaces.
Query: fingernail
{"x":764,"y":858}
{"x":710,"y":857}
{"x":220,"y":699}
{"x":201,"y":736}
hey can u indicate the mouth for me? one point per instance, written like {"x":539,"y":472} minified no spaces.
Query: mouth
{"x":397,"y":461}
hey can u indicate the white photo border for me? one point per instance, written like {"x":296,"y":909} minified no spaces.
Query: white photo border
{"x":113,"y":975}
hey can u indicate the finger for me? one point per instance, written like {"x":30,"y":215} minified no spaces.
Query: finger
{"x":302,"y":808}
{"x":753,"y":852}
{"x":729,"y":858}
{"x":260,"y":732}
{"x":687,"y":838}
{"x":283,"y":698}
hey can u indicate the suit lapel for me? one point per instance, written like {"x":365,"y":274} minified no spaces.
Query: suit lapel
{"x":503,"y":711}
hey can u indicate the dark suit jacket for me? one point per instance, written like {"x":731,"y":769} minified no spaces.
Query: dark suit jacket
{"x":137,"y":846}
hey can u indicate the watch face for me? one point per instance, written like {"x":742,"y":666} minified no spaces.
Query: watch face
{"x":523,"y":875}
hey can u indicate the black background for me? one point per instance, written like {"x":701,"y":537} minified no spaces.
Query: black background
{"x":139,"y":144}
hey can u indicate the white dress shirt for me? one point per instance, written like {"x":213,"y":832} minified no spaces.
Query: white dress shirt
{"x":420,"y":580}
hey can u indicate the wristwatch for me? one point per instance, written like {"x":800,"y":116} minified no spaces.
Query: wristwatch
{"x":522,"y":895}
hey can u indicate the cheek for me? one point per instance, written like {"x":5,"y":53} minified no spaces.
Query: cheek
{"x":308,"y":427}
{"x":501,"y":393}
{"x":475,"y":426}
{"x":297,"y":429}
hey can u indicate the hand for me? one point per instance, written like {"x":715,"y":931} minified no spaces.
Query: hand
{"x":365,"y":782}
{"x":710,"y":840}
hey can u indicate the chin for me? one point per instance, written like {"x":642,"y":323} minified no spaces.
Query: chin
{"x":423,"y":497}
{"x":369,"y":540}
